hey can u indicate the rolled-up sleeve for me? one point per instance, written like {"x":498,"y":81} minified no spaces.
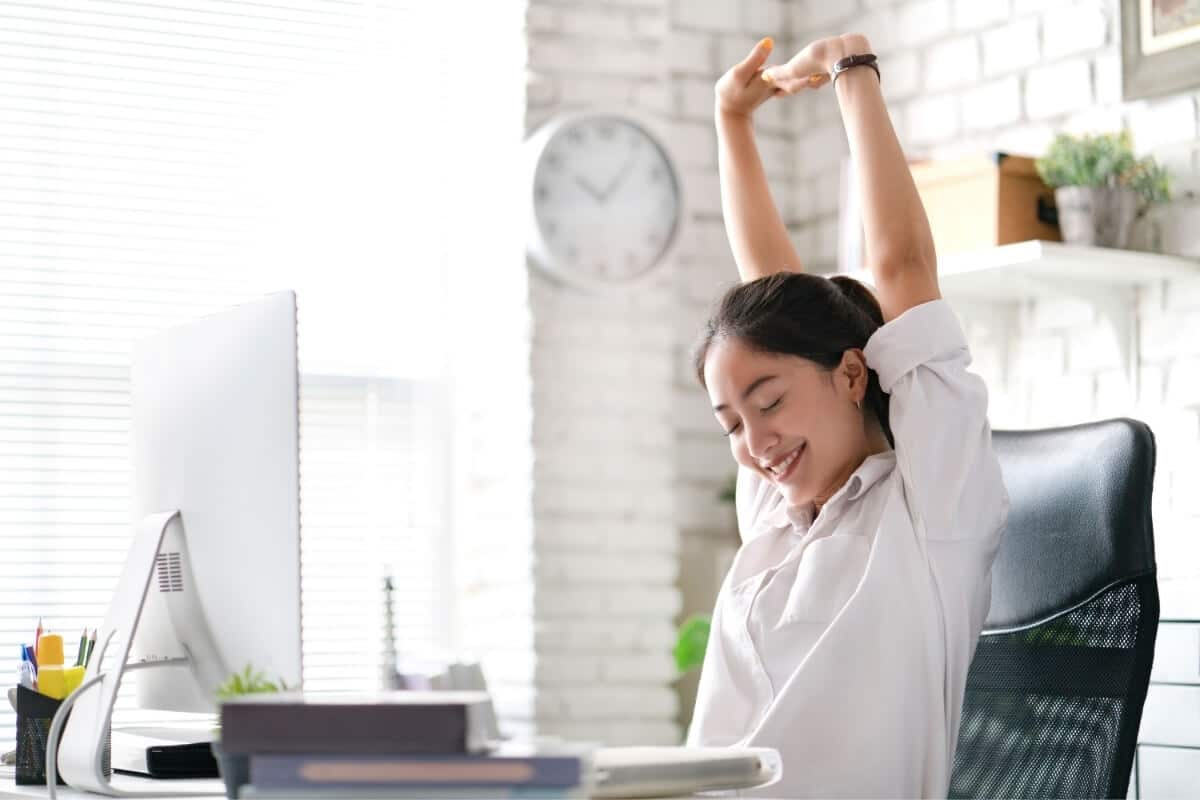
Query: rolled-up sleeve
{"x":938,"y":416}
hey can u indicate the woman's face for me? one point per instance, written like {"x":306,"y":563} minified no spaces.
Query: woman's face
{"x":788,"y":419}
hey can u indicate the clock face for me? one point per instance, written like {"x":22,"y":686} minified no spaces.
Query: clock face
{"x":606,"y":201}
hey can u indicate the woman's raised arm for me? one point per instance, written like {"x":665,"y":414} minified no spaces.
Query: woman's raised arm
{"x":756,"y":232}
{"x":899,"y":245}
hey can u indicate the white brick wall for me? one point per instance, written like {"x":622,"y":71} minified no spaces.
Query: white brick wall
{"x":1012,"y":46}
{"x":933,"y":119}
{"x":1058,"y":89}
{"x":1070,"y":28}
{"x":972,"y":14}
{"x":1162,"y":122}
{"x":921,"y":22}
{"x":992,"y":105}
{"x":616,"y":467}
{"x":952,"y":64}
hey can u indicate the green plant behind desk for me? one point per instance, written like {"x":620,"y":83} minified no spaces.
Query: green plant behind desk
{"x":249,"y":681}
{"x":692,"y":637}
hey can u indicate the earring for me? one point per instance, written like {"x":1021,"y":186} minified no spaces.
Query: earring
{"x":858,"y":404}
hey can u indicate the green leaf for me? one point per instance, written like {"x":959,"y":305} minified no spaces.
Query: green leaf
{"x":249,"y":681}
{"x":729,"y":490}
{"x":692,"y":642}
{"x":1105,"y":159}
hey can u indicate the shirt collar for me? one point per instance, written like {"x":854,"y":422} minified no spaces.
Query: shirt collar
{"x":800,"y":518}
{"x":873,"y":469}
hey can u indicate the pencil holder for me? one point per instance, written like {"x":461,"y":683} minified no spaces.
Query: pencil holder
{"x":35,"y":712}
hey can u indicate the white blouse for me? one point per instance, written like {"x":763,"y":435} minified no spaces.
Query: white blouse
{"x":844,"y":641}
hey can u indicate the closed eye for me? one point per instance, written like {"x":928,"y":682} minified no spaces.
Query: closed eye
{"x":766,"y":410}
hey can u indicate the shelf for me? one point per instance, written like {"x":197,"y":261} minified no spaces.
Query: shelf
{"x":1036,"y":269}
{"x":1107,"y":279}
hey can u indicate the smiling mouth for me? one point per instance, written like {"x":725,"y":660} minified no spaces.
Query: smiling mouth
{"x":782,"y":469}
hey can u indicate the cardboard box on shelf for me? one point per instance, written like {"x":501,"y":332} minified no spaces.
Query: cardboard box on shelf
{"x":984,"y":201}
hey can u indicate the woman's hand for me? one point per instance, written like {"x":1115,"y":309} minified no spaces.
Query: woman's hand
{"x":810,"y":68}
{"x":741,"y":90}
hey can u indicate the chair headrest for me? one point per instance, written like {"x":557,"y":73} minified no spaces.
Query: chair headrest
{"x":1079,"y":519}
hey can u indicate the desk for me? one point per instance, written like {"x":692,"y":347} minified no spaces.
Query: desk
{"x":9,"y":788}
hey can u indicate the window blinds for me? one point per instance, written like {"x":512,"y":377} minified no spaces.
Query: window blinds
{"x":162,"y":159}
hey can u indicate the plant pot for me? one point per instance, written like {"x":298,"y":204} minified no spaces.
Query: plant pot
{"x":1176,"y":227}
{"x":234,"y":769}
{"x":1096,"y":215}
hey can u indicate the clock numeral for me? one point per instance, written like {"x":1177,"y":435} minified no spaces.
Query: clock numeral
{"x":541,"y":192}
{"x":575,"y":136}
{"x":572,"y":253}
{"x":551,"y":229}
{"x":554,"y":161}
{"x":606,"y":131}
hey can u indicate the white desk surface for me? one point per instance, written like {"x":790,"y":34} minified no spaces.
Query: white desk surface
{"x":210,"y":788}
{"x":9,"y":789}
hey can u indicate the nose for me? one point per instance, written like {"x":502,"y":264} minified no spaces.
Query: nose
{"x":760,"y":439}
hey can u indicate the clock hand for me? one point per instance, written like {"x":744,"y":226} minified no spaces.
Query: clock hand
{"x":595,"y":193}
{"x":621,"y":173}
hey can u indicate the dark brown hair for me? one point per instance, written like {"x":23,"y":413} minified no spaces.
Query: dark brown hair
{"x":799,"y":314}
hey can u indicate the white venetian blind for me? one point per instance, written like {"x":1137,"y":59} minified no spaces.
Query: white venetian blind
{"x":161,"y":159}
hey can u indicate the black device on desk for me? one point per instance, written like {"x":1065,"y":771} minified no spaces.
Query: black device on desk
{"x":159,"y":753}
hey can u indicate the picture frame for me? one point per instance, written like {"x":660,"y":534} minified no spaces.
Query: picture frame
{"x":1160,"y":47}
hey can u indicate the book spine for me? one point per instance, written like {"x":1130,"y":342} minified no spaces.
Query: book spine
{"x":250,"y":792}
{"x":273,"y":771}
{"x":425,"y":730}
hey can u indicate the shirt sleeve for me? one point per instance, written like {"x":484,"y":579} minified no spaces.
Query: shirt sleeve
{"x":938,"y":416}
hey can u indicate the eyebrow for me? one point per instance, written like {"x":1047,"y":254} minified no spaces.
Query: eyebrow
{"x":749,"y":390}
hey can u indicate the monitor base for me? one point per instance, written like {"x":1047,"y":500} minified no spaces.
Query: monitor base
{"x":84,"y":735}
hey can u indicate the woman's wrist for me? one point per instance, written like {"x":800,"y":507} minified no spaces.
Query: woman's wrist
{"x":727,"y":119}
{"x":835,"y":48}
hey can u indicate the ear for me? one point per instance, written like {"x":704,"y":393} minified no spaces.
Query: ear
{"x":853,"y":375}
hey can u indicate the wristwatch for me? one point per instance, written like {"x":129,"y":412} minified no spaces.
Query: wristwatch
{"x":860,"y":60}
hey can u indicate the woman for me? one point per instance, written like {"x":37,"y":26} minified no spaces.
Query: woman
{"x":869,"y":500}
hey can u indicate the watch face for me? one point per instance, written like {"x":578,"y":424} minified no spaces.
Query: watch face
{"x":606,"y":200}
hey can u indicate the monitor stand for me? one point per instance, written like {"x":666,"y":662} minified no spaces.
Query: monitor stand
{"x":84,"y":738}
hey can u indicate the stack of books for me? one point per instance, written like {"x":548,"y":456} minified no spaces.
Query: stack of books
{"x":403,"y":744}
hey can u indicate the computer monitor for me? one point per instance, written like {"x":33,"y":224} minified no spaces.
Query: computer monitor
{"x":212,"y":580}
{"x":215,"y":435}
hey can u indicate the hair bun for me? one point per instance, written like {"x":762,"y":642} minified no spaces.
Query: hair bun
{"x":862,"y":297}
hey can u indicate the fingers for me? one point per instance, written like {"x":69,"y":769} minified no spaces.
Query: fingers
{"x":745,"y":70}
{"x":803,"y":71}
{"x":788,"y":84}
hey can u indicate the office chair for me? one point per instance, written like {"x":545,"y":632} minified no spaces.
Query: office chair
{"x":1054,"y":694}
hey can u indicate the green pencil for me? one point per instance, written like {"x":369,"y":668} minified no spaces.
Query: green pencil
{"x":82,"y":648}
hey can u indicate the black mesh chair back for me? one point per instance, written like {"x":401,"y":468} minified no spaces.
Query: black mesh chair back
{"x":1054,"y":694}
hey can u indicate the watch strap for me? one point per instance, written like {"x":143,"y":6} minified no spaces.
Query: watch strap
{"x":859,"y":60}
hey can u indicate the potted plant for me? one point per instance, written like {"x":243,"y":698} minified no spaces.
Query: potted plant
{"x":234,"y":768}
{"x":1100,"y":187}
